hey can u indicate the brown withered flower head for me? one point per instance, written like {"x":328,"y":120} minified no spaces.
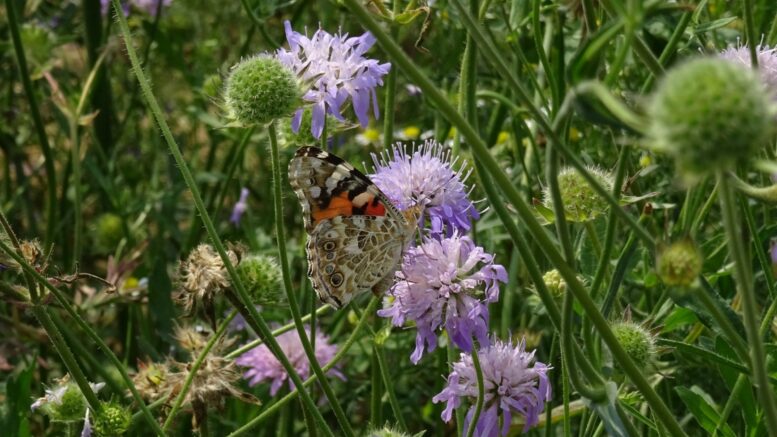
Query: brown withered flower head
{"x":203,"y":276}
{"x":216,"y":378}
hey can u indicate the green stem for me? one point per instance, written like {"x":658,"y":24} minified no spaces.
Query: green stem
{"x":389,"y":384}
{"x":41,"y":313}
{"x":390,"y":90}
{"x":285,"y":328}
{"x":40,"y":130}
{"x":29,"y":270}
{"x":195,"y":367}
{"x":473,"y":421}
{"x":595,"y":393}
{"x":752,"y":40}
{"x":451,"y":352}
{"x":743,"y":275}
{"x":483,"y":157}
{"x":248,"y":310}
{"x":492,"y":54}
{"x":274,"y":408}
{"x":76,"y":183}
{"x":291,"y":296}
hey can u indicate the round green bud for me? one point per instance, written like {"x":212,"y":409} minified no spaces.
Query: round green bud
{"x":679,"y":264}
{"x":635,"y":340}
{"x":260,"y":90}
{"x":709,"y":114}
{"x":262,"y":279}
{"x":581,"y":202}
{"x":113,"y":420}
{"x":108,"y":231}
{"x":70,"y":407}
{"x":555,"y":283}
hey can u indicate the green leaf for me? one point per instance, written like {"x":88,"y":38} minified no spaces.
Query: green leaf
{"x":678,"y":318}
{"x":746,"y":398}
{"x":702,"y":411}
{"x":586,"y":61}
{"x":712,"y":25}
{"x":18,"y":401}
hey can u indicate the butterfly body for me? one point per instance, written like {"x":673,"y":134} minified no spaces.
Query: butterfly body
{"x":356,"y":236}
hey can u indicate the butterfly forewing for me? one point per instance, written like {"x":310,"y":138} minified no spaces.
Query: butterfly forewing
{"x":356,"y":235}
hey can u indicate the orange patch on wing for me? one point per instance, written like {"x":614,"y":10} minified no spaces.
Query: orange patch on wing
{"x":338,"y":206}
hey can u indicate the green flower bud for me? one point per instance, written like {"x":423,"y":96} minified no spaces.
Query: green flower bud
{"x":709,"y":114}
{"x":581,"y":202}
{"x":262,"y":278}
{"x":70,"y":407}
{"x":635,"y":340}
{"x":113,"y":420}
{"x":260,"y":90}
{"x":108,"y":232}
{"x":555,"y":283}
{"x":679,"y":264}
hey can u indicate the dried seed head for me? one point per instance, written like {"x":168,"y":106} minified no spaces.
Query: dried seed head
{"x":203,"y":275}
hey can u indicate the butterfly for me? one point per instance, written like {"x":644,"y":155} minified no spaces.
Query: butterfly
{"x":356,"y":236}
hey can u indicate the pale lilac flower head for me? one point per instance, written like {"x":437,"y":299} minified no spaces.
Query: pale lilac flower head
{"x":148,"y":6}
{"x":767,"y":63}
{"x":151,"y":6}
{"x":514,"y":383}
{"x":262,"y":364}
{"x":240,"y":207}
{"x":445,"y":283}
{"x":337,"y":70}
{"x":427,"y":177}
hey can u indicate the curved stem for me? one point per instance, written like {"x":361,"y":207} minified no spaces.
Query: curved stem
{"x":29,"y":270}
{"x":596,"y":393}
{"x":481,"y":389}
{"x":488,"y":162}
{"x":280,"y":235}
{"x":73,"y":368}
{"x":743,"y":275}
{"x":248,"y":310}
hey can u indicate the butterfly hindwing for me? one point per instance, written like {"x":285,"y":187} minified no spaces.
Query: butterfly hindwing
{"x":350,"y":255}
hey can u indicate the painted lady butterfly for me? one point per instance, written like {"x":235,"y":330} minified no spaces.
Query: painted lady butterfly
{"x":356,"y":235}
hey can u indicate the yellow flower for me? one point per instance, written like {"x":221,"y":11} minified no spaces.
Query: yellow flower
{"x":411,"y":132}
{"x":372,"y":134}
{"x":645,"y":160}
{"x":574,"y":135}
{"x":503,"y":137}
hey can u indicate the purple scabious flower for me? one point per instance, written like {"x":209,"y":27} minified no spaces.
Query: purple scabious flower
{"x":240,"y":207}
{"x":445,"y":283}
{"x":767,"y":63}
{"x":149,"y":6}
{"x":514,"y":383}
{"x":337,"y":70}
{"x":427,"y":177}
{"x":263,"y":365}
